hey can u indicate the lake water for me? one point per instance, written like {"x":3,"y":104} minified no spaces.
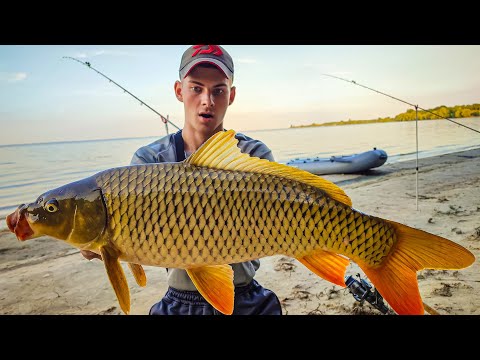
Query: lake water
{"x":29,"y":170}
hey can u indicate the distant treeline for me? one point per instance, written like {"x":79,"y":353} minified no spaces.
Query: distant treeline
{"x":458,"y":111}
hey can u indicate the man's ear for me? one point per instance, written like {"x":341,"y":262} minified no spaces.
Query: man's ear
{"x":178,"y":90}
{"x":232,"y":95}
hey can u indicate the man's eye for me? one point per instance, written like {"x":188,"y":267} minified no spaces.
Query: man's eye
{"x":217,"y":92}
{"x":196,"y":89}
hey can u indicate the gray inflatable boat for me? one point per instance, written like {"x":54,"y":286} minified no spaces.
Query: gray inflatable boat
{"x":344,"y":164}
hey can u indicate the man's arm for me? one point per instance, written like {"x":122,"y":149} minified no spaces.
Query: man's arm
{"x":254,"y":147}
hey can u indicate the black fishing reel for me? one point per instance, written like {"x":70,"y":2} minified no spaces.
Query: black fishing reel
{"x":362,"y":290}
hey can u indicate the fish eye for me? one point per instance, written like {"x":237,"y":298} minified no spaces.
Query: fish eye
{"x":51,"y":205}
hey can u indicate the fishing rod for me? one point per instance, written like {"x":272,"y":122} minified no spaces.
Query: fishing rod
{"x":406,"y":102}
{"x":416,"y":119}
{"x":362,"y":291}
{"x":164,"y":119}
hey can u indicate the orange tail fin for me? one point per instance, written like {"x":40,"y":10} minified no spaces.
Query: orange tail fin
{"x":396,"y":279}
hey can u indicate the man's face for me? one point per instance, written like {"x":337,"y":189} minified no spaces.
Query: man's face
{"x":206,"y":94}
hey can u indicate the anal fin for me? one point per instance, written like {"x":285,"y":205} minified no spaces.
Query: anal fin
{"x":117,"y":278}
{"x":215,"y":283}
{"x":327,"y":265}
{"x":138,"y":274}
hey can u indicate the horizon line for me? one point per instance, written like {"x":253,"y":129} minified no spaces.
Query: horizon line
{"x":111,"y":139}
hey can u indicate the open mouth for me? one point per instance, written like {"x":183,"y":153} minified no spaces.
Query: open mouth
{"x":206,"y":116}
{"x":18,"y":224}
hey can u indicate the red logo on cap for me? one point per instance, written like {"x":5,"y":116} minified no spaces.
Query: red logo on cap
{"x":212,"y":49}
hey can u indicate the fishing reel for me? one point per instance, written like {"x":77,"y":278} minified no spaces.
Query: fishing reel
{"x":362,"y":290}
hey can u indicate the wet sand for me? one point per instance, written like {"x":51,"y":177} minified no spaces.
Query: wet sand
{"x":47,"y":276}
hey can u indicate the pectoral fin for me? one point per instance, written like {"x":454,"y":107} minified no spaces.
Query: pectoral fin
{"x":117,"y":278}
{"x":327,"y":265}
{"x":138,"y":274}
{"x":215,"y":283}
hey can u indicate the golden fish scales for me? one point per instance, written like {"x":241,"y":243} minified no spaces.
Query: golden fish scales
{"x":177,"y":215}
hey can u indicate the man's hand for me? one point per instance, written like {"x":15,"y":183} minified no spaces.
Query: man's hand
{"x":90,"y":255}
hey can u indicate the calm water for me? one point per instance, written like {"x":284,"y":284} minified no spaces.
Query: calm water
{"x":29,"y":170}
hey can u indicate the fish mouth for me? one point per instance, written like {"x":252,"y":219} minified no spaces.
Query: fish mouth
{"x":18,"y":224}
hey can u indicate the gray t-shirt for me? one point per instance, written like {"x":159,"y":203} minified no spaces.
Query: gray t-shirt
{"x":164,"y":150}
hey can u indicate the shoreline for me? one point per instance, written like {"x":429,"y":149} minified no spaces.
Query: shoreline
{"x":363,"y":122}
{"x":403,"y":165}
{"x":47,"y":276}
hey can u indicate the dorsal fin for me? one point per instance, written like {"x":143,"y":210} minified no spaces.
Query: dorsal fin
{"x":221,"y":152}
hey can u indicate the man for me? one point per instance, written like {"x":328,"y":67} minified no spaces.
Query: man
{"x":206,"y":90}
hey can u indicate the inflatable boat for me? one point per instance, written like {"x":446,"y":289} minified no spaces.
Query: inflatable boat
{"x":344,"y":164}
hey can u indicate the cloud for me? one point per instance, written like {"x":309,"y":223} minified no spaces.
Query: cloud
{"x":93,"y":53}
{"x":19,"y":76}
{"x":317,"y":66}
{"x":12,"y":77}
{"x":342,"y":73}
{"x":247,"y":61}
{"x":328,"y":67}
{"x":94,"y":92}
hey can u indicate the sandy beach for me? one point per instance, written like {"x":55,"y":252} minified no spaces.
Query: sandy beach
{"x":47,"y":276}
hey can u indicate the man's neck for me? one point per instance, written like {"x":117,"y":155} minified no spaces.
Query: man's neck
{"x":193,"y":139}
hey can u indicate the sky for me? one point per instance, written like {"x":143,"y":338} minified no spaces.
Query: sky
{"x":45,"y":97}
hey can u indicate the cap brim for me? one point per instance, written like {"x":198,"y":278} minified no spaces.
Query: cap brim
{"x":186,"y":70}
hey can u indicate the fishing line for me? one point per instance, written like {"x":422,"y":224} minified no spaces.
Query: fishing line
{"x":427,"y":308}
{"x":406,"y":102}
{"x":164,"y":119}
{"x":416,"y":120}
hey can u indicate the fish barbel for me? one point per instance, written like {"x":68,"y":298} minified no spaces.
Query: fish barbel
{"x":221,"y":206}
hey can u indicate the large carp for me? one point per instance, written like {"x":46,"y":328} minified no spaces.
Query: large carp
{"x":221,"y":206}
